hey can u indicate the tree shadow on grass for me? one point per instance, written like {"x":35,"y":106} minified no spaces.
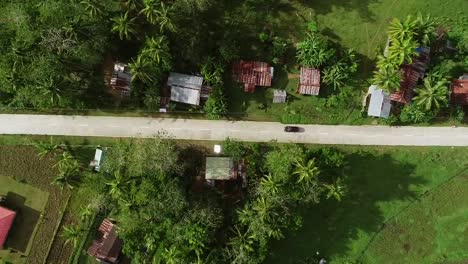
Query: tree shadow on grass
{"x":24,"y":224}
{"x":323,"y":7}
{"x":343,"y":229}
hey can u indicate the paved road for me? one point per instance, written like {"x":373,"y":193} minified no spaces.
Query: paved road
{"x":106,"y":126}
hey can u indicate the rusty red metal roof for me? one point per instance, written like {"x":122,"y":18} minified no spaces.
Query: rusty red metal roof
{"x":459,"y":92}
{"x":107,"y":247}
{"x":410,"y":74}
{"x":309,"y":81}
{"x":252,"y":74}
{"x":7,"y":217}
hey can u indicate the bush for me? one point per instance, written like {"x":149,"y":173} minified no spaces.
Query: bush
{"x":216,"y":106}
{"x":414,"y":115}
{"x":233,"y":148}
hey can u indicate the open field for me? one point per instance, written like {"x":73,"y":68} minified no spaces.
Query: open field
{"x":29,"y":203}
{"x":23,"y":165}
{"x":389,"y":190}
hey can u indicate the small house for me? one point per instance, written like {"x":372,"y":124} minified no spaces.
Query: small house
{"x":106,"y":249}
{"x":188,"y":89}
{"x":7,"y":217}
{"x":410,"y":75}
{"x":121,"y":78}
{"x":253,"y":74}
{"x":224,"y":169}
{"x":459,"y":89}
{"x":379,"y":102}
{"x":309,"y":81}
{"x":96,"y":162}
{"x":279,"y":96}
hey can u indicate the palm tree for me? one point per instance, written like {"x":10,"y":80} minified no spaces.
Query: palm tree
{"x":171,"y":255}
{"x":264,"y":209}
{"x":432,"y":95}
{"x":46,"y":148}
{"x":66,"y":161}
{"x":164,"y":19}
{"x":425,"y":29}
{"x":403,"y":51}
{"x":124,"y":26}
{"x":306,"y":172}
{"x":402,"y":30}
{"x":67,"y":178}
{"x":132,"y":4}
{"x":117,"y":185}
{"x":71,"y":234}
{"x":336,"y":190}
{"x":158,"y":50}
{"x":268,"y":185}
{"x":387,"y":79}
{"x":140,"y":69}
{"x":150,"y":11}
{"x":314,"y":51}
{"x":85,"y":213}
{"x":241,"y":241}
{"x":93,"y":7}
{"x":386,"y":62}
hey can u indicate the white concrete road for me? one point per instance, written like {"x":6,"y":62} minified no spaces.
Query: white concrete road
{"x":190,"y":129}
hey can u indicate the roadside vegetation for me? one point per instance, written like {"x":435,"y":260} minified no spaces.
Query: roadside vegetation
{"x":53,"y":55}
{"x":346,"y":203}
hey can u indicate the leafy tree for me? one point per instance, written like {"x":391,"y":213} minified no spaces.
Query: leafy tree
{"x":402,"y":30}
{"x":141,"y":70}
{"x":157,"y":49}
{"x":336,"y":190}
{"x":71,"y":234}
{"x":233,"y":148}
{"x":93,"y":7}
{"x":306,"y":172}
{"x":314,"y":51}
{"x":387,"y":79}
{"x":68,"y":177}
{"x":124,"y":26}
{"x":150,"y":11}
{"x":403,"y":51}
{"x":216,"y":105}
{"x":413,"y":114}
{"x":433,"y":95}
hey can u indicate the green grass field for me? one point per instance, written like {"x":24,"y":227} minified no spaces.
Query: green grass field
{"x":29,"y":203}
{"x":402,"y":206}
{"x":360,"y":25}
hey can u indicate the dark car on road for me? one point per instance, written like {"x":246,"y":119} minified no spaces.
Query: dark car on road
{"x":291,"y":129}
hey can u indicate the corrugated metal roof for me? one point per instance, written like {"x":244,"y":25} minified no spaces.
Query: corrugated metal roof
{"x":460,"y":91}
{"x":219,"y":168}
{"x":253,"y":73}
{"x":380,"y":103}
{"x":309,"y":81}
{"x":185,"y":88}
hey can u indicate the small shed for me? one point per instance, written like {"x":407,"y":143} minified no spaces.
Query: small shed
{"x":185,"y":88}
{"x":379,"y":103}
{"x":121,"y":78}
{"x":279,"y":96}
{"x":252,"y":74}
{"x":459,"y":89}
{"x":219,"y":168}
{"x":106,"y":249}
{"x":309,"y":81}
{"x":96,"y":162}
{"x":7,"y":217}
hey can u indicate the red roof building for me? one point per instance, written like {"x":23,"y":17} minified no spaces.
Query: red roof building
{"x":460,"y":91}
{"x":410,"y":74}
{"x":107,"y":247}
{"x":309,"y":81}
{"x":252,"y":74}
{"x":7,"y":217}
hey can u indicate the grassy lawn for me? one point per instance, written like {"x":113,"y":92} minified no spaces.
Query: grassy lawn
{"x":399,"y":209}
{"x":360,"y":25}
{"x":29,"y":203}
